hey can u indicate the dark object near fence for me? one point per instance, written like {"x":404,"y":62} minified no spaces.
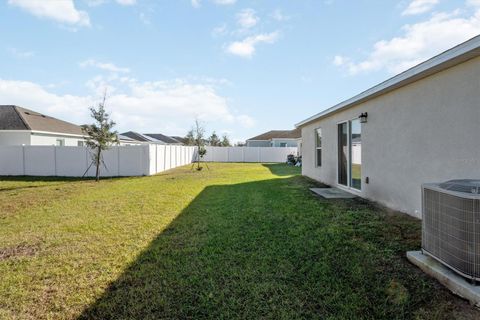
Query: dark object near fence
{"x":292,"y":160}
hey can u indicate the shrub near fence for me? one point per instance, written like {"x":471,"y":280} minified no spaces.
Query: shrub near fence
{"x":140,"y":160}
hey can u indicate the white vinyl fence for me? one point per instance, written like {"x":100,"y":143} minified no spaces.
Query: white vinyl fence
{"x":139,"y":160}
{"x":248,"y":154}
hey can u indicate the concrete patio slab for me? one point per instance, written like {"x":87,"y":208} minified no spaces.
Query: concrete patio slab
{"x":457,"y":284}
{"x":332,"y":193}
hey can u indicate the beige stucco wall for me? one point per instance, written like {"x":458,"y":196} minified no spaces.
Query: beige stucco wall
{"x":18,"y":138}
{"x":291,"y":143}
{"x":44,"y":139}
{"x":259,"y":143}
{"x":14,"y":138}
{"x":428,"y":131}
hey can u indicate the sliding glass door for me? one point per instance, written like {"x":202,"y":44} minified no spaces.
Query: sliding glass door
{"x":356,"y":154}
{"x":343,"y":153}
{"x":350,"y":154}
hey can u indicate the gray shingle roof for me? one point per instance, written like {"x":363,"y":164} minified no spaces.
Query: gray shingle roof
{"x":137,"y":136}
{"x":163,"y":138}
{"x":179,"y":139}
{"x":279,"y":134}
{"x":18,"y":118}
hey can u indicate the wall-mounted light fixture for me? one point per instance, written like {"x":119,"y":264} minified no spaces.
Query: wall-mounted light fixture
{"x":363,"y":117}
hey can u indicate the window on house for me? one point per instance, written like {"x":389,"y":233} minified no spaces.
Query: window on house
{"x":60,"y":142}
{"x":318,"y":147}
{"x":80,"y":144}
{"x":283,"y":144}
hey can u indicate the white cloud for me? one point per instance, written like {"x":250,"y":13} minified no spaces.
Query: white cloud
{"x":224,"y":2}
{"x":220,"y":30}
{"x":419,"y":6}
{"x":63,"y":11}
{"x":246,"y":121}
{"x":94,"y":3}
{"x":126,"y":2}
{"x":196,"y":3}
{"x":473,"y":3}
{"x":141,"y":106}
{"x":247,"y":18}
{"x":107,"y":66}
{"x":20,"y":54}
{"x":419,"y":42}
{"x":246,"y":48}
{"x":339,"y":60}
{"x":279,"y":15}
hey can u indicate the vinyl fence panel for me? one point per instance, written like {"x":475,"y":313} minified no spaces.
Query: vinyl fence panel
{"x":11,"y":161}
{"x":248,"y":154}
{"x":134,"y":161}
{"x":236,"y":154}
{"x":71,"y":161}
{"x":252,"y":154}
{"x":39,"y":161}
{"x":138,"y":160}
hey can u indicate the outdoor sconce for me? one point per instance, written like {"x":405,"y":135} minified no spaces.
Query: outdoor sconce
{"x":363,"y":117}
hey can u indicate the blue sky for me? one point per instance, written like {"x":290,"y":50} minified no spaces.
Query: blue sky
{"x":241,"y":66}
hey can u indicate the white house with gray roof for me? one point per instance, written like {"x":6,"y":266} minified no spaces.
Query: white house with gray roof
{"x":420,"y":126}
{"x":21,"y":126}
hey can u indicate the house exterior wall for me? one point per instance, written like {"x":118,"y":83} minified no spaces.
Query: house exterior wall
{"x":291,"y":143}
{"x":18,"y":138}
{"x":14,"y":138}
{"x":43,"y":139}
{"x":427,"y":131}
{"x":259,"y":143}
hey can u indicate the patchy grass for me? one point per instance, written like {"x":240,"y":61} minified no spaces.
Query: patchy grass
{"x":238,"y":241}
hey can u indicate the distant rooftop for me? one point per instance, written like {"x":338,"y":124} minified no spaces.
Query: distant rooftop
{"x":151,"y":137}
{"x":279,"y":134}
{"x":18,"y":118}
{"x":163,"y":138}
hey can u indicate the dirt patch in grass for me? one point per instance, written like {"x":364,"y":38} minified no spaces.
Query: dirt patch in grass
{"x":20,"y":250}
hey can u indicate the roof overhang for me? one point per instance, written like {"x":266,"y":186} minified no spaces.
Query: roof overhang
{"x":452,"y":57}
{"x":290,"y":139}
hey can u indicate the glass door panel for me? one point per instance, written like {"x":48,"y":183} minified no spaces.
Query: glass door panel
{"x":356,"y":154}
{"x":343,"y":154}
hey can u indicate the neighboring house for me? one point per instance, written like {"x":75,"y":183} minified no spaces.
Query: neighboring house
{"x":20,"y":126}
{"x":182,"y":140}
{"x":420,"y":126}
{"x":138,"y":137}
{"x":163,"y":138}
{"x":155,"y":138}
{"x":277,"y":138}
{"x":127,"y":141}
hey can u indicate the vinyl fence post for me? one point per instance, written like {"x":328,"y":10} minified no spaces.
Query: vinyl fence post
{"x":23,"y":155}
{"x":118,"y":161}
{"x":55,"y":160}
{"x":164,"y":158}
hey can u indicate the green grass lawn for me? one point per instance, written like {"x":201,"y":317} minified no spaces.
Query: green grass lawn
{"x":239,"y":241}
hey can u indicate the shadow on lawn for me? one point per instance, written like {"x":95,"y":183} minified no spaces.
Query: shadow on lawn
{"x":269,"y":249}
{"x":43,"y":181}
{"x":282,"y":169}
